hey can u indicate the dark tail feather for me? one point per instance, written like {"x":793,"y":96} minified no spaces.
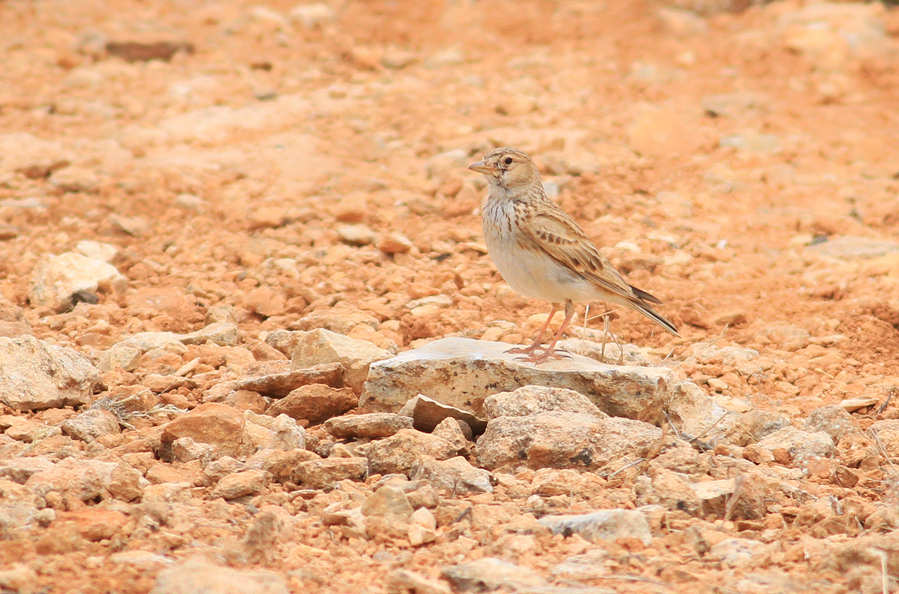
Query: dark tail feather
{"x":644,"y":296}
{"x":644,"y":308}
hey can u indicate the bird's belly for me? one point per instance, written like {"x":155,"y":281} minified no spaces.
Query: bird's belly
{"x":538,"y":276}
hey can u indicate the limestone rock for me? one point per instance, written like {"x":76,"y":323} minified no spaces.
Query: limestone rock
{"x":606,"y":525}
{"x":91,"y":424}
{"x":221,"y":333}
{"x":427,"y":413}
{"x":563,"y":440}
{"x":802,"y":446}
{"x":832,"y":420}
{"x":399,"y":453}
{"x":314,"y":403}
{"x":35,"y":375}
{"x":323,"y":346}
{"x":481,"y":368}
{"x":528,"y":400}
{"x":56,"y":278}
{"x":197,"y":575}
{"x":218,"y":425}
{"x":323,"y":474}
{"x":454,"y":477}
{"x":489,"y":574}
{"x":373,"y":425}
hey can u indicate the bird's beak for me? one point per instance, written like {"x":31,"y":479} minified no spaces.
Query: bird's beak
{"x":481,"y":167}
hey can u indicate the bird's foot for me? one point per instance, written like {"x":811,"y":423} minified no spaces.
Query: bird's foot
{"x":538,"y":358}
{"x":524,"y":350}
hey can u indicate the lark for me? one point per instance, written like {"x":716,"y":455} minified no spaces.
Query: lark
{"x":542,"y":253}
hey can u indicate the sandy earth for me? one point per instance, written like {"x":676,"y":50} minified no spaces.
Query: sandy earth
{"x":281,"y":167}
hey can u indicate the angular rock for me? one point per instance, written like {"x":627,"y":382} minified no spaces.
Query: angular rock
{"x":93,"y":524}
{"x":563,"y":440}
{"x":482,"y":368}
{"x":695,"y":413}
{"x":220,"y":333}
{"x":198,"y":575}
{"x":56,"y":279}
{"x":19,"y":504}
{"x":489,"y":574}
{"x":19,"y":578}
{"x":398,"y":453}
{"x":401,"y":581}
{"x":19,"y":469}
{"x":82,"y":479}
{"x":528,"y":400}
{"x":388,"y":502}
{"x":373,"y":425}
{"x":240,"y":484}
{"x":803,"y":447}
{"x":427,"y":413}
{"x":887,"y":433}
{"x":314,"y":403}
{"x":32,"y":156}
{"x":832,"y":420}
{"x":455,"y":476}
{"x":854,"y":248}
{"x":279,"y":433}
{"x":219,"y":425}
{"x":323,"y":346}
{"x":605,"y":525}
{"x":91,"y":424}
{"x":35,"y":375}
{"x":278,"y":385}
{"x":735,"y":552}
{"x":325,"y":473}
{"x":671,"y":490}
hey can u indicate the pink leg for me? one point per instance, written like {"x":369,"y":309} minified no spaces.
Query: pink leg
{"x":530,"y":350}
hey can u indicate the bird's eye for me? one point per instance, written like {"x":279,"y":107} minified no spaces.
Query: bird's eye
{"x":507,"y":160}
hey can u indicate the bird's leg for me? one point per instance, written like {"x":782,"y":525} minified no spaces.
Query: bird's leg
{"x":550,"y":351}
{"x":605,"y":336}
{"x":530,"y":350}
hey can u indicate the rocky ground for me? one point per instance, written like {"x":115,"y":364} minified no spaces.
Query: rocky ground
{"x":251,"y":340}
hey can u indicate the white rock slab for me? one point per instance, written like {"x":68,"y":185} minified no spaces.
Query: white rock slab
{"x":462,"y":372}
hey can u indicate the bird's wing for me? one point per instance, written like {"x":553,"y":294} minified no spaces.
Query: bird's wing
{"x":556,"y":233}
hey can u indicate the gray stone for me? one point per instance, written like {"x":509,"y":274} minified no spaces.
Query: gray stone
{"x":56,"y":278}
{"x":832,"y":420}
{"x":605,"y":525}
{"x":279,"y":385}
{"x":220,"y":333}
{"x":82,"y":479}
{"x":481,"y":368}
{"x":240,"y":484}
{"x":401,"y":581}
{"x":490,"y":573}
{"x":35,"y":375}
{"x":854,"y":248}
{"x":373,"y":425}
{"x":528,"y":400}
{"x":732,"y":104}
{"x":803,"y":446}
{"x":32,"y":156}
{"x":563,"y":440}
{"x":735,"y":552}
{"x":325,"y":473}
{"x":455,"y":477}
{"x":388,"y":502}
{"x":427,"y":413}
{"x":19,"y":469}
{"x":323,"y":346}
{"x":196,"y":576}
{"x":887,"y":432}
{"x":694,"y":413}
{"x":398,"y":453}
{"x":91,"y":424}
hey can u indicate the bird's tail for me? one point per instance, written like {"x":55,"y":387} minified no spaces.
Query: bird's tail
{"x":640,"y":304}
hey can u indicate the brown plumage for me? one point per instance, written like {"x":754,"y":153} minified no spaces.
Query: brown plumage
{"x":542,"y":252}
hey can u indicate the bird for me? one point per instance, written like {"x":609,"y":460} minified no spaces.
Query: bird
{"x":542,"y":253}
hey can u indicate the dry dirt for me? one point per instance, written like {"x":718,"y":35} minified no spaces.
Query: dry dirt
{"x":227,"y":175}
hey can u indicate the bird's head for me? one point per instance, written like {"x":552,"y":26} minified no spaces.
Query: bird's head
{"x":507,"y":168}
